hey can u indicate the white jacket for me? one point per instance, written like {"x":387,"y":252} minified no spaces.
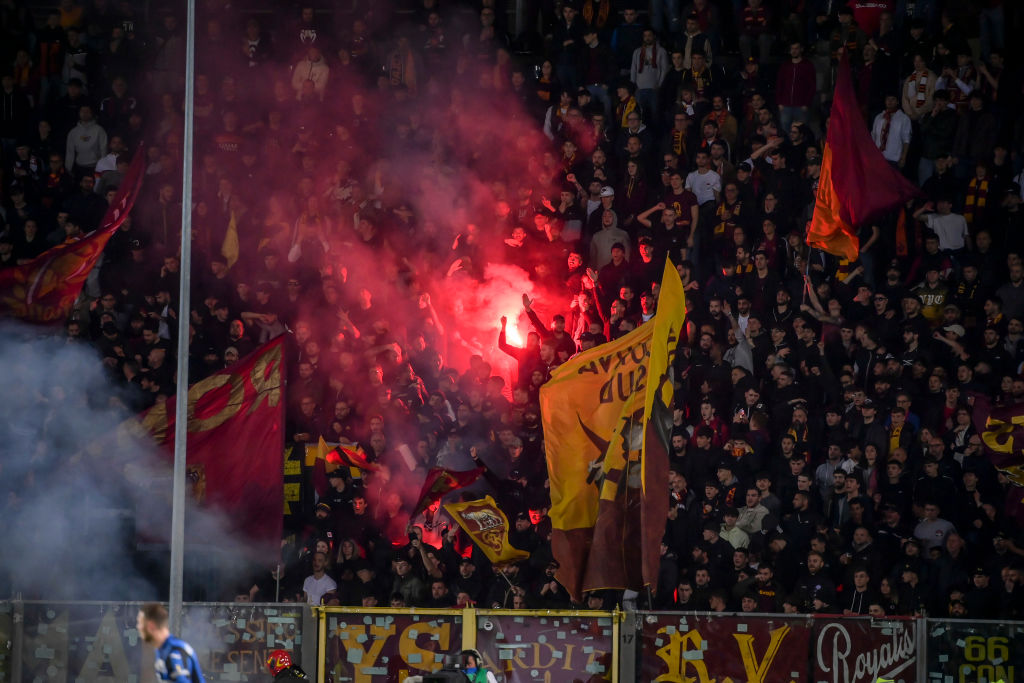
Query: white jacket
{"x":318,"y":72}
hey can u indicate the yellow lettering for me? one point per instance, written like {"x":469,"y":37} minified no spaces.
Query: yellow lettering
{"x":756,"y":671}
{"x":407,"y":646}
{"x":377,"y":637}
{"x":674,"y":655}
{"x":998,"y":435}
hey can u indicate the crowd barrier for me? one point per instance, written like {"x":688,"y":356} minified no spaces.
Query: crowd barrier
{"x":93,"y":642}
{"x":96,"y":642}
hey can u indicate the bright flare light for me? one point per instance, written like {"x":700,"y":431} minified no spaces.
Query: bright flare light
{"x":512,"y":335}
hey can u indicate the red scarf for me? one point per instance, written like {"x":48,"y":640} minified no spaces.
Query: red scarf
{"x":643,"y":58}
{"x":885,"y":130}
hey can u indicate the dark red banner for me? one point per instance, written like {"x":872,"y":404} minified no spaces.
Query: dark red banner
{"x":386,"y":648}
{"x":45,"y":289}
{"x":865,"y":650}
{"x":544,"y":649}
{"x":705,"y":649}
{"x":235,"y":441}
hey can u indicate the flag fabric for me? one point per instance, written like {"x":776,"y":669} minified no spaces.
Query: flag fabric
{"x":1002,"y":431}
{"x":441,"y":481}
{"x":235,"y":441}
{"x":596,"y":414}
{"x":828,"y":231}
{"x":857,"y":184}
{"x":487,"y":525}
{"x":324,"y":459}
{"x":45,"y":289}
{"x":229,"y":247}
{"x":341,"y":455}
{"x":658,"y":403}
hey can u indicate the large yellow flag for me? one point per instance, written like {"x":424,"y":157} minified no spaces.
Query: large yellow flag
{"x":607,"y":498}
{"x":487,"y":525}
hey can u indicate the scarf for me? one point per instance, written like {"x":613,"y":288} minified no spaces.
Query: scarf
{"x":843,"y":269}
{"x":701,"y":80}
{"x":800,"y":438}
{"x":643,"y":58}
{"x":631,"y":186}
{"x":624,"y":109}
{"x":678,"y":142}
{"x":921,"y":79}
{"x":402,"y":69}
{"x":718,"y":117}
{"x":902,"y":246}
{"x":885,"y":130}
{"x":894,"y":437}
{"x":544,"y":89}
{"x":977,"y":194}
{"x":602,"y":13}
{"x":723,"y":223}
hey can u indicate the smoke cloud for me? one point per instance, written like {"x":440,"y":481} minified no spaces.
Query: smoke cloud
{"x":86,"y":505}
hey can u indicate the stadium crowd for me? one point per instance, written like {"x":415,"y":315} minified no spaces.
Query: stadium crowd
{"x":360,"y":168}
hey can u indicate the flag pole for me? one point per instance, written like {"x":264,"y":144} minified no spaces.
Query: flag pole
{"x":177,"y":568}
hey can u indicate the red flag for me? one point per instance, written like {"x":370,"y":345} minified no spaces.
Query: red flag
{"x":44,"y":290}
{"x":235,"y":441}
{"x":857,"y":184}
{"x":441,"y":481}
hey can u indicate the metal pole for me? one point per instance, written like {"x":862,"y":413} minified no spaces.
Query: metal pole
{"x":184,"y":297}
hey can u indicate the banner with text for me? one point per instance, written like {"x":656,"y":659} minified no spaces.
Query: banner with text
{"x":865,"y":650}
{"x":376,"y":647}
{"x":699,"y":648}
{"x":98,"y":642}
{"x":546,"y":649}
{"x":975,"y":651}
{"x":728,"y":649}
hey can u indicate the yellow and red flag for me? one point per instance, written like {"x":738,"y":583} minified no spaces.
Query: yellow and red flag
{"x":857,"y":184}
{"x":235,"y":441}
{"x":604,"y":423}
{"x":1002,"y":431}
{"x":488,"y":526}
{"x":45,"y":289}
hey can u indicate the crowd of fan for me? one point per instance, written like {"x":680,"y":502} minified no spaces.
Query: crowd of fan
{"x":824,"y":457}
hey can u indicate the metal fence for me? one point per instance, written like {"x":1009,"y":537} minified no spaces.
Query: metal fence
{"x":94,"y":642}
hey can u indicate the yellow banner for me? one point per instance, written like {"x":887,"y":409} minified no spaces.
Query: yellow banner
{"x":603,"y":419}
{"x":582,"y":407}
{"x":487,"y":525}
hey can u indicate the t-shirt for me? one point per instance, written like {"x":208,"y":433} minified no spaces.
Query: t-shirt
{"x":933,"y":534}
{"x":951,"y":230}
{"x":315,"y":588}
{"x":704,"y":185}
